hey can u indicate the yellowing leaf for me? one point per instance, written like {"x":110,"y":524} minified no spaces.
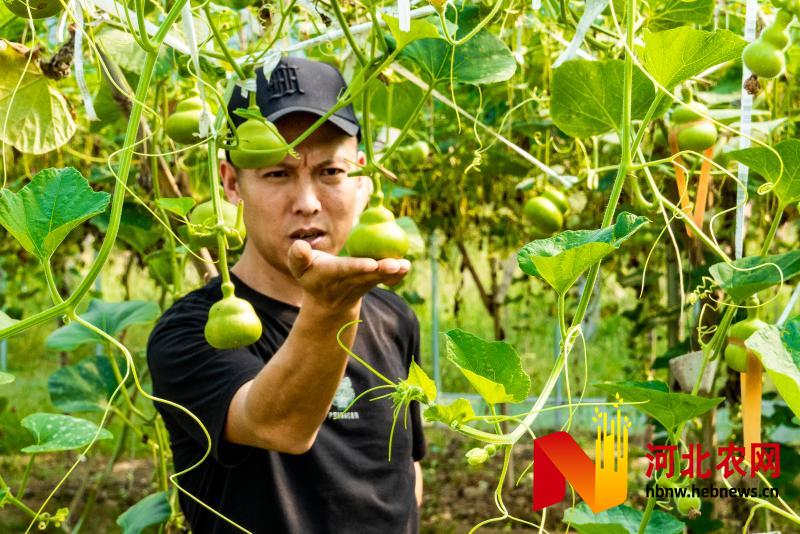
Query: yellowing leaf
{"x":34,"y":116}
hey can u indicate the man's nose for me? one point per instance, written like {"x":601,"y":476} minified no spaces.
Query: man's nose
{"x":306,"y":200}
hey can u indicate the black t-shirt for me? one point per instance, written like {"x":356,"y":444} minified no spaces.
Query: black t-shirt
{"x":345,"y":482}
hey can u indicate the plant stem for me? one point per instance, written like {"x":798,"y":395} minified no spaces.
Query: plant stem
{"x":407,"y":126}
{"x":25,"y":475}
{"x":773,"y":228}
{"x":51,"y":282}
{"x":213,"y":172}
{"x":648,"y":511}
{"x":625,"y":142}
{"x":337,"y":11}
{"x":561,"y":311}
{"x":221,"y":43}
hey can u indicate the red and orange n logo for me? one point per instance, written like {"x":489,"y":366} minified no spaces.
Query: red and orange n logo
{"x":602,"y":484}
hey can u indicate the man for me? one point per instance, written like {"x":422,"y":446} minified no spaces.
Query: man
{"x":283,"y":456}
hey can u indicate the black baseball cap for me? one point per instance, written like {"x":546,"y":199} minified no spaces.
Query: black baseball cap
{"x":299,"y":84}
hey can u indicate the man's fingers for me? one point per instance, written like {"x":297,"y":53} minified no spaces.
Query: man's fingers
{"x":300,"y":257}
{"x":392,"y":265}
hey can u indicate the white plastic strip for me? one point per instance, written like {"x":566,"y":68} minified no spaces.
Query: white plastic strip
{"x":77,"y":62}
{"x":404,"y":15}
{"x":591,"y":11}
{"x":789,"y":307}
{"x":746,"y":113}
{"x":191,"y":41}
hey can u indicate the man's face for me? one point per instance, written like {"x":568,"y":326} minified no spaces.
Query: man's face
{"x":310,"y":198}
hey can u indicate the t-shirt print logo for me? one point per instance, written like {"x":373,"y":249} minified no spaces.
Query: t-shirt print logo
{"x":342,"y":398}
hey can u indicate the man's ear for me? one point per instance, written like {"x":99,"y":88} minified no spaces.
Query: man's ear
{"x":230,"y":181}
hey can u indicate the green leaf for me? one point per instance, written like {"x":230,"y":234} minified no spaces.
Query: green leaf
{"x":675,"y":55}
{"x":453,"y":414}
{"x":483,"y":59}
{"x":416,"y":245}
{"x":6,"y":378}
{"x":159,"y":264}
{"x":419,"y":29}
{"x":110,"y":317}
{"x":561,"y":259}
{"x":779,"y":352}
{"x":493,"y":368}
{"x":56,"y":432}
{"x":764,"y":162}
{"x":179,"y":206}
{"x":586,"y":96}
{"x":418,"y":377}
{"x":137,"y":227}
{"x":34,"y":116}
{"x":85,"y":386}
{"x":152,"y":510}
{"x":50,"y":206}
{"x":621,"y":519}
{"x":122,"y":49}
{"x":670,"y":13}
{"x":669,"y":409}
{"x":404,"y":98}
{"x":760,"y":273}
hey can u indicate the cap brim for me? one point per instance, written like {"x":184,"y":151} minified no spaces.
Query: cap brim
{"x":343,"y":124}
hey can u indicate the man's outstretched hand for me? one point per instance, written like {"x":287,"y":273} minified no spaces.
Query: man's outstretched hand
{"x":338,"y":282}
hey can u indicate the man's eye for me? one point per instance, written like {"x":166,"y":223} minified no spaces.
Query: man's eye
{"x":332,"y":171}
{"x":274,"y":174}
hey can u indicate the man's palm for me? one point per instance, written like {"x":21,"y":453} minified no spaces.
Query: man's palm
{"x":339,"y":280}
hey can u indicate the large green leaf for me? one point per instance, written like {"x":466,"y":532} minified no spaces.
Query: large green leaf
{"x":675,"y":55}
{"x":482,"y":59}
{"x":766,"y":163}
{"x":121,"y":49}
{"x":669,"y":409}
{"x":561,"y":259}
{"x":397,"y":110}
{"x":85,"y":386}
{"x":41,"y":214}
{"x":56,"y":432}
{"x":586,"y":99}
{"x":670,"y":13}
{"x":621,"y":519}
{"x":492,"y":367}
{"x":747,"y":276}
{"x":137,"y":227}
{"x":779,"y":351}
{"x":152,"y":510}
{"x":34,"y":117}
{"x":110,"y":317}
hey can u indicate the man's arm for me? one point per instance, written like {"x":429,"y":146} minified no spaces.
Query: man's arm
{"x":283,"y":407}
{"x":418,"y":483}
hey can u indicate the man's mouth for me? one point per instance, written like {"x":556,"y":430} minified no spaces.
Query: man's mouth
{"x":313,"y":236}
